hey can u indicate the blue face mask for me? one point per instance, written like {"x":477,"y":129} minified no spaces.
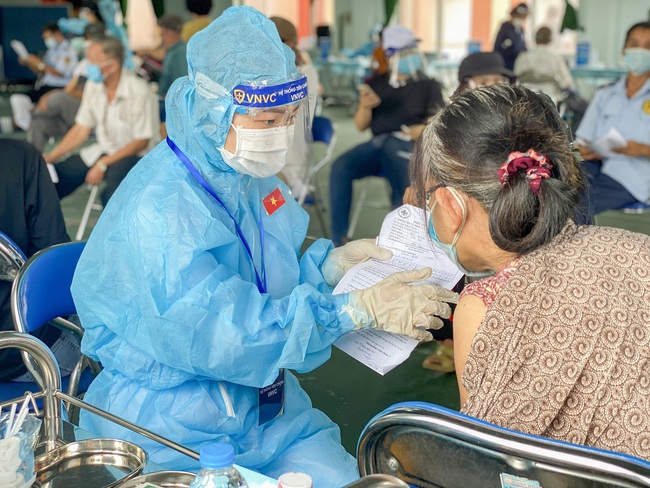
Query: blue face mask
{"x":450,"y":249}
{"x":637,"y":60}
{"x":50,"y":43}
{"x":409,"y":64}
{"x":94,"y":73}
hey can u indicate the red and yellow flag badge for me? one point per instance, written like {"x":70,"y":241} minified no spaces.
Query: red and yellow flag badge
{"x":273,"y":201}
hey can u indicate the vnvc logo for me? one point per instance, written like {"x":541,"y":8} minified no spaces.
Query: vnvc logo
{"x":239,"y":95}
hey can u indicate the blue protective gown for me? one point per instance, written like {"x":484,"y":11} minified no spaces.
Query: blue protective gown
{"x":168,"y":298}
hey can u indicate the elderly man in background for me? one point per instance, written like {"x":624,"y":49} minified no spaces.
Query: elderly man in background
{"x":122,"y":111}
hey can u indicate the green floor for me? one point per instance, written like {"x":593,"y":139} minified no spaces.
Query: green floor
{"x":347,"y":391}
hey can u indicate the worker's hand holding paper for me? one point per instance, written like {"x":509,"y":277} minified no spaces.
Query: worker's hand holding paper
{"x":19,"y":48}
{"x":612,"y":139}
{"x":404,"y":233}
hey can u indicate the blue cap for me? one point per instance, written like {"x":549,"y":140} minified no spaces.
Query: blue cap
{"x":217,"y":455}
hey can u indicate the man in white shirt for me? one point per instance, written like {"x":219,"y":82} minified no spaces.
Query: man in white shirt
{"x":122,"y":111}
{"x":542,"y":69}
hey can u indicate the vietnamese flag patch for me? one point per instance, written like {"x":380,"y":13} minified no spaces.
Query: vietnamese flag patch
{"x":273,"y":201}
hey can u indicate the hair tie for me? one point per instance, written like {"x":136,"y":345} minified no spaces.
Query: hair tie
{"x":536,"y":165}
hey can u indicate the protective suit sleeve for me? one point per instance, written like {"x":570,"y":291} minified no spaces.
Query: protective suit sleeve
{"x":161,"y":327}
{"x":397,"y":306}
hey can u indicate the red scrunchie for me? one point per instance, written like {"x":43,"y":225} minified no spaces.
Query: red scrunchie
{"x":536,"y":165}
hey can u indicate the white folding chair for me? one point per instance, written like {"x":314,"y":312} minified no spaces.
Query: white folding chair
{"x":90,"y":206}
{"x":323,"y":132}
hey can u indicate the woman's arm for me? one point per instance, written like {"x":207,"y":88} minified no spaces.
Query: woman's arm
{"x":468,"y":316}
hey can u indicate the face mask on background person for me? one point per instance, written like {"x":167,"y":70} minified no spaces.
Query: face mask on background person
{"x":517,"y":22}
{"x":637,"y":60}
{"x":450,"y":249}
{"x":260,"y":153}
{"x":94,"y":73}
{"x":409,"y":64}
{"x":50,"y":42}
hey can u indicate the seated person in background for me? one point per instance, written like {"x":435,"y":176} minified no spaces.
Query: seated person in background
{"x":54,"y":70}
{"x":200,"y":12}
{"x":556,"y":342}
{"x":621,"y":177}
{"x":395,"y":106}
{"x":30,"y":214}
{"x":122,"y":111}
{"x":542,"y":69}
{"x":57,"y":109}
{"x":482,"y":69}
{"x":175,"y":62}
{"x":295,"y":171}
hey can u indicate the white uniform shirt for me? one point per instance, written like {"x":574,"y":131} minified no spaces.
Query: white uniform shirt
{"x":62,"y":58}
{"x":133,"y":114}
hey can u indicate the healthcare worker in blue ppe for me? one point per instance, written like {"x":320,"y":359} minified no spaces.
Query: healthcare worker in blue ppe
{"x":191,"y":288}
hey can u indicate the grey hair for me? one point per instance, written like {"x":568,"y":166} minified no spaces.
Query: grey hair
{"x":112,"y":47}
{"x":464,"y":145}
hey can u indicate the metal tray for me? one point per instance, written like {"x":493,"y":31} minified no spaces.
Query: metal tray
{"x":166,"y":479}
{"x":92,"y":463}
{"x":378,"y":481}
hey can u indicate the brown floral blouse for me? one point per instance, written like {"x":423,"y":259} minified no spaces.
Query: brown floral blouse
{"x":564,"y":348}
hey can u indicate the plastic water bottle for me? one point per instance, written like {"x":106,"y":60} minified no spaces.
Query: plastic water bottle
{"x":217,"y":470}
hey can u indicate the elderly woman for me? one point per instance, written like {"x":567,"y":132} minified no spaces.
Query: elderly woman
{"x":554,"y":340}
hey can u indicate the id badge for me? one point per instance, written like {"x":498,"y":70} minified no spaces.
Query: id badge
{"x":271,"y":400}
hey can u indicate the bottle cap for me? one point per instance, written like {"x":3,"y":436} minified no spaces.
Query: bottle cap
{"x":294,"y":480}
{"x":216,"y":455}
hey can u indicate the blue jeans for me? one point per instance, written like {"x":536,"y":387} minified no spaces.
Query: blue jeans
{"x":377,"y":157}
{"x":604,"y":193}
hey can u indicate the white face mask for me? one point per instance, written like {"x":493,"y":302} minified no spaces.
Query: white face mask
{"x":517,"y":22}
{"x":260,"y":153}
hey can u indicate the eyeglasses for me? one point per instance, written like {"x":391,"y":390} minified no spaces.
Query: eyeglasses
{"x":432,"y":189}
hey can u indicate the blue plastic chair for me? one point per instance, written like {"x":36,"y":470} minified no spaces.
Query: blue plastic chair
{"x":427,"y":445}
{"x":41,"y":294}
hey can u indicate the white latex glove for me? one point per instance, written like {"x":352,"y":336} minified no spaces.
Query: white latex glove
{"x":341,"y":259}
{"x":395,"y":306}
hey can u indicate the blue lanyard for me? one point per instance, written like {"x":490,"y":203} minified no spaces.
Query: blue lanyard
{"x":261,"y":282}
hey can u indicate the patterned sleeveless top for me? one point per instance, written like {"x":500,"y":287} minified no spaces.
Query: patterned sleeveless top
{"x":564,"y":348}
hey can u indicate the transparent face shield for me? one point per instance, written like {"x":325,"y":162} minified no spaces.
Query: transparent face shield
{"x":410,"y":63}
{"x":268,"y":122}
{"x":269,"y":107}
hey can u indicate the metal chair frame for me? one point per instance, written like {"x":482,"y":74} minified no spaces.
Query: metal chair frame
{"x":431,"y":446}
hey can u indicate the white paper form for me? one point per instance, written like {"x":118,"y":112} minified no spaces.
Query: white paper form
{"x":404,"y":233}
{"x":612,"y":139}
{"x":19,"y":49}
